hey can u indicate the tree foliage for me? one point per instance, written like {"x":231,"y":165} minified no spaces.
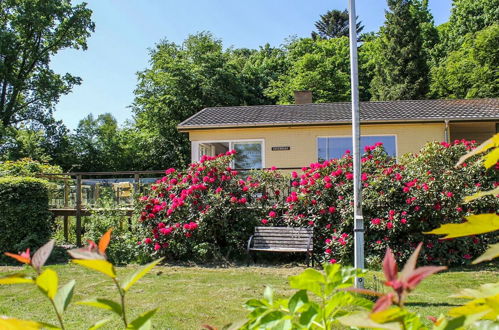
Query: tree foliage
{"x":472,"y":70}
{"x":334,"y":24}
{"x":401,"y":69}
{"x":31,"y":32}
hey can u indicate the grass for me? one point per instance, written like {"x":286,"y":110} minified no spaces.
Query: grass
{"x":189,"y":297}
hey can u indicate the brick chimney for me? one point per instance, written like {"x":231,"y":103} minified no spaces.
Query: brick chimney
{"x":303,"y":97}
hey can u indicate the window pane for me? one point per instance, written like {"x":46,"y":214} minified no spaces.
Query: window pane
{"x":338,"y":146}
{"x":322,"y":149}
{"x":335,"y":147}
{"x":248,"y":155}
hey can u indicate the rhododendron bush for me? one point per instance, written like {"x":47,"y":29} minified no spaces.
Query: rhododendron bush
{"x":210,"y":208}
{"x":400,"y":202}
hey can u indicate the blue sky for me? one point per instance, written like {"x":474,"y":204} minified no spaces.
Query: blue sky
{"x":126,"y":29}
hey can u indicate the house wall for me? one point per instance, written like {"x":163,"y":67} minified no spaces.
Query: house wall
{"x":479,"y":131}
{"x":303,"y":140}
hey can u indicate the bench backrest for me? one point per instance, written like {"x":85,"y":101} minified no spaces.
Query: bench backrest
{"x":283,"y":237}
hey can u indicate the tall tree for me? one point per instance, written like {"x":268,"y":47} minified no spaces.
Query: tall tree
{"x":470,"y":16}
{"x":334,"y":24}
{"x":31,"y":32}
{"x":471,"y":71}
{"x":321,"y":66}
{"x":401,"y":70}
{"x":181,"y":80}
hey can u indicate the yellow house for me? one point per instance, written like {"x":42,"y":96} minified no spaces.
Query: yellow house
{"x":293,"y":136}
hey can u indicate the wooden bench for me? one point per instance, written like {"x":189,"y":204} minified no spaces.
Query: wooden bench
{"x":282,"y":239}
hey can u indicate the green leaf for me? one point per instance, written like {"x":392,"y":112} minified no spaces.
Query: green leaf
{"x":388,"y":315}
{"x":47,"y":282}
{"x":476,"y":224}
{"x":299,"y":299}
{"x":485,"y":290}
{"x":42,"y":254}
{"x":308,"y":316}
{"x":479,"y":194}
{"x":98,"y":324}
{"x":63,"y":297}
{"x":255,"y":303}
{"x":16,"y":279}
{"x":362,"y":320}
{"x":143,"y":322}
{"x":103,"y":304}
{"x":268,"y":294}
{"x":130,"y":280}
{"x":310,"y":280}
{"x":270,"y":320}
{"x":491,"y":253}
{"x":103,"y":266}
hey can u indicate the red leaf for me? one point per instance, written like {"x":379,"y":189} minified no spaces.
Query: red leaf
{"x":383,"y":303}
{"x":390,"y":266}
{"x":420,"y":274}
{"x":410,"y":265}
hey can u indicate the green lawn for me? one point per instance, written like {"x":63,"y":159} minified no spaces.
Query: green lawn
{"x":189,"y":297}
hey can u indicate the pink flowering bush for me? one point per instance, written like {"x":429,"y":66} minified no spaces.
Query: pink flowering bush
{"x":208,"y":210}
{"x":401,"y":201}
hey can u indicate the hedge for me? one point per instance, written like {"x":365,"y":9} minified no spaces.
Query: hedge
{"x":25,"y":221}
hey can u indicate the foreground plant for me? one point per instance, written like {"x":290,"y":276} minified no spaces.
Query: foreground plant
{"x":321,"y":311}
{"x":46,"y":280}
{"x":94,"y":257}
{"x":389,"y":311}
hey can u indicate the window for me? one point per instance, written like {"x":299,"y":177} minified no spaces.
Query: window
{"x":335,"y":147}
{"x":249,"y":153}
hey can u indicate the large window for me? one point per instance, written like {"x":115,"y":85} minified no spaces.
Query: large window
{"x":249,"y":154}
{"x":335,"y":147}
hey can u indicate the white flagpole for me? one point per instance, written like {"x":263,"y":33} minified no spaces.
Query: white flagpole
{"x":357,"y":189}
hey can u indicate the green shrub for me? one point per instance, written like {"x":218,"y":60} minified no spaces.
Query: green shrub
{"x":124,"y":248}
{"x":26,"y":167}
{"x":25,"y":221}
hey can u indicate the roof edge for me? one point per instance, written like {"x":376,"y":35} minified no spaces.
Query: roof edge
{"x":184,"y":128}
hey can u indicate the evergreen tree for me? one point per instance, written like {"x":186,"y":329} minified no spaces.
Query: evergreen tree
{"x":401,"y":66}
{"x":334,"y":24}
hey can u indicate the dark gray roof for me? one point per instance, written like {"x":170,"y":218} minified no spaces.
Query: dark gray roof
{"x":340,"y":113}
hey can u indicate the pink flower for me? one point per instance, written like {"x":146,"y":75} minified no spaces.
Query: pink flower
{"x":328,"y":251}
{"x":349,"y":176}
{"x":364,"y":177}
{"x":406,"y":189}
{"x":233,"y":199}
{"x":389,"y":225}
{"x":148,"y":240}
{"x":404,"y":221}
{"x":328,"y":240}
{"x":332,"y":261}
{"x":449,"y":194}
{"x":218,"y":190}
{"x":467,"y":256}
{"x":265,"y":221}
{"x":243,"y":200}
{"x":272,"y":214}
{"x":376,"y":221}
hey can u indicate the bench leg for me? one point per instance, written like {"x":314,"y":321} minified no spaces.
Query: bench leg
{"x":308,"y":259}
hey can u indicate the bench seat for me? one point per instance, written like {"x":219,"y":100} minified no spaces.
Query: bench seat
{"x":282,"y":239}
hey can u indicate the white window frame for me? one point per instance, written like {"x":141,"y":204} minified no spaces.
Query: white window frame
{"x":195,"y":147}
{"x":343,"y":136}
